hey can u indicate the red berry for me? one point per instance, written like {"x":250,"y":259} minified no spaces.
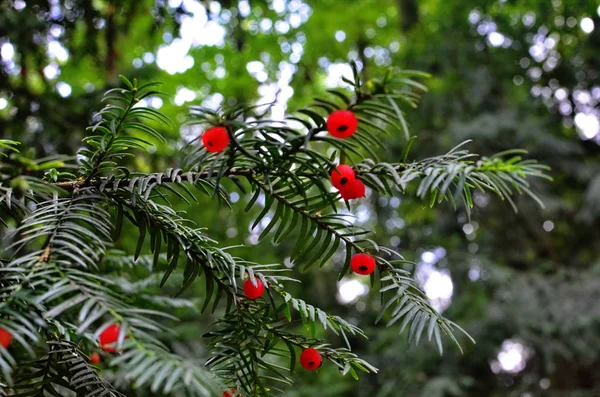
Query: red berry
{"x":231,"y":393}
{"x":5,"y":338}
{"x":353,"y":190}
{"x":108,"y":338}
{"x":310,"y":359}
{"x":215,"y":139}
{"x":342,"y":123}
{"x":94,"y":358}
{"x":342,"y":175}
{"x":362,"y":264}
{"x":252,"y":291}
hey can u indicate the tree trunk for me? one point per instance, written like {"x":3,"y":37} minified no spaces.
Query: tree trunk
{"x":409,"y":14}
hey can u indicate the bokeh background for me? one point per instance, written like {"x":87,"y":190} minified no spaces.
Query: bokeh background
{"x":506,"y":74}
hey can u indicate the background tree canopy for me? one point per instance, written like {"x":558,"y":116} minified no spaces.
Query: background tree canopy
{"x":506,"y":73}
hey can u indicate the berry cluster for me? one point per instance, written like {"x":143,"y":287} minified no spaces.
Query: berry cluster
{"x":340,"y":124}
{"x":344,"y":179}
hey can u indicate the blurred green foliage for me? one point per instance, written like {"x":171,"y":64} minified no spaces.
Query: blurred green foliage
{"x":506,"y":74}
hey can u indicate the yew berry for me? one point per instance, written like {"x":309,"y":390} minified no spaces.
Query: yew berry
{"x":342,"y":123}
{"x":215,"y":139}
{"x":5,"y":338}
{"x":353,"y":190}
{"x":362,"y":264}
{"x":231,"y":393}
{"x":108,"y":338}
{"x":254,"y":291}
{"x":94,"y":358}
{"x":310,"y":359}
{"x":342,"y":175}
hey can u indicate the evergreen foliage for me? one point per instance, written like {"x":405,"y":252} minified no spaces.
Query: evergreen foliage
{"x":60,"y":287}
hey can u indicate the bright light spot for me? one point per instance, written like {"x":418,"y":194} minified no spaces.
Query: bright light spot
{"x":363,"y":214}
{"x":550,"y":43}
{"x":184,"y":95}
{"x":215,"y":7}
{"x":7,"y":51}
{"x":295,"y":20}
{"x":57,"y":31}
{"x":548,"y":226}
{"x":3,"y":103}
{"x":349,"y":290}
{"x":51,"y":71}
{"x":19,"y":5}
{"x":220,"y":72}
{"x":265,"y":25}
{"x":155,"y":102}
{"x":297,"y":51}
{"x":265,"y":221}
{"x":474,"y":17}
{"x":529,"y":19}
{"x":474,"y":273}
{"x":57,"y":51}
{"x":511,"y":358}
{"x":234,"y":197}
{"x":535,"y":73}
{"x":174,"y":57}
{"x":544,"y":383}
{"x":137,"y":63}
{"x":561,"y":94}
{"x":439,"y":252}
{"x":174,"y":3}
{"x":583,"y":97}
{"x":565,"y":108}
{"x":468,"y":228}
{"x":64,"y":90}
{"x":252,"y":239}
{"x":257,"y":70}
{"x":196,"y":30}
{"x":428,"y":257}
{"x":244,"y":8}
{"x":213,"y":102}
{"x":587,"y":25}
{"x":437,"y":285}
{"x":148,"y":57}
{"x":587,"y":125}
{"x":538,"y":51}
{"x":276,"y":95}
{"x":278,"y":6}
{"x":282,"y":27}
{"x":335,"y":72}
{"x":340,"y":35}
{"x":485,"y":28}
{"x":496,"y":39}
{"x":201,"y":31}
